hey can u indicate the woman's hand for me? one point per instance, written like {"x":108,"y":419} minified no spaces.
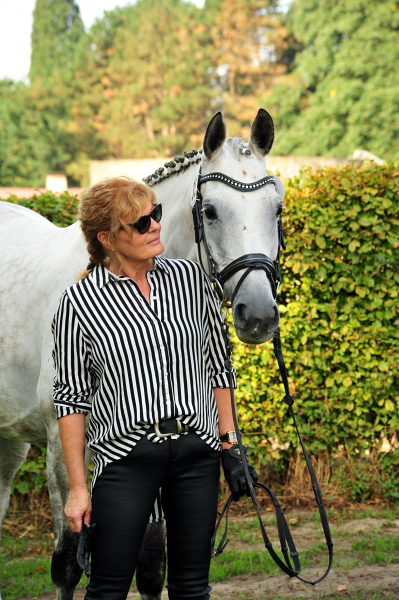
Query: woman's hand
{"x":77,"y":506}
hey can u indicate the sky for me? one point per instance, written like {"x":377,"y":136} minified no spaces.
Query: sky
{"x":16,"y":27}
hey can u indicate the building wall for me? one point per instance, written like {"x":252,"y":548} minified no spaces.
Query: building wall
{"x":288,"y":166}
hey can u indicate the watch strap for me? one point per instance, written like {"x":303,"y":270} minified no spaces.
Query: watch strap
{"x":229,"y":436}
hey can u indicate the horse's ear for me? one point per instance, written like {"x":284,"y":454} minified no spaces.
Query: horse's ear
{"x":215,"y":135}
{"x":261,"y":137}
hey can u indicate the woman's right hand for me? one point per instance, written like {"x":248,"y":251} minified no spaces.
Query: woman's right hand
{"x":78,"y":505}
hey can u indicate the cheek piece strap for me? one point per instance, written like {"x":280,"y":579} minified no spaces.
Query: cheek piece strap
{"x":273,"y":273}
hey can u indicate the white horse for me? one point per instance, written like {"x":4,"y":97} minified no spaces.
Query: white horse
{"x":39,"y":260}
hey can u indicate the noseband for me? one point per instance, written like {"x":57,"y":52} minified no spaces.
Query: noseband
{"x":249,"y":262}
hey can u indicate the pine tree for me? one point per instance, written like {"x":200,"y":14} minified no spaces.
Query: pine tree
{"x":57,"y":30}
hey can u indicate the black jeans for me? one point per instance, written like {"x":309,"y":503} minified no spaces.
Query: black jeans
{"x":187,"y":470}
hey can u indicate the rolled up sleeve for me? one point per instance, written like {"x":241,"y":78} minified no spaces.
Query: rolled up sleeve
{"x":216,"y":355}
{"x":72,"y":383}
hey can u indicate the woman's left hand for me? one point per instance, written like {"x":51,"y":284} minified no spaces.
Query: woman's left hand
{"x":234,"y":471}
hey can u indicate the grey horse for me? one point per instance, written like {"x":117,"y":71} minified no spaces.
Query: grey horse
{"x":40,"y":260}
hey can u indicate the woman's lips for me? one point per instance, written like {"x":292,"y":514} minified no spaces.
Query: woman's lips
{"x":154,"y":241}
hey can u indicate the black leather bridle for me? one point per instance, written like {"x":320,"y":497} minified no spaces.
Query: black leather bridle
{"x":249,"y":262}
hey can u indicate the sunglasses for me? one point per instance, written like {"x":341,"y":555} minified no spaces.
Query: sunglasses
{"x":144,"y":223}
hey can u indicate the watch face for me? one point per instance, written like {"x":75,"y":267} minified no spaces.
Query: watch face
{"x":232,"y":437}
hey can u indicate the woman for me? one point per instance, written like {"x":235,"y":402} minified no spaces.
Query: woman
{"x":141,"y":336}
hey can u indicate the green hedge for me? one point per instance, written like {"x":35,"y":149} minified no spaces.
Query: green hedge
{"x":59,"y":209}
{"x":339,"y":309}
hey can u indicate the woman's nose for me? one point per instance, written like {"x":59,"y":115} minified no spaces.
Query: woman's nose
{"x":154,"y":226}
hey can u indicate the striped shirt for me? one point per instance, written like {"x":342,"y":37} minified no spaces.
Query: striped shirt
{"x":130,"y":363}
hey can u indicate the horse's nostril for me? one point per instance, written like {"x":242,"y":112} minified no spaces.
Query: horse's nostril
{"x":240,"y":315}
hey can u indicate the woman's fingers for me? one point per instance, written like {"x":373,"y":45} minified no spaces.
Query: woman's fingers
{"x":78,"y":505}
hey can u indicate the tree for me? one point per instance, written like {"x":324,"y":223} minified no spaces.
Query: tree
{"x":146,"y":90}
{"x":250,"y":53}
{"x":343,"y":93}
{"x":25,"y":156}
{"x":57,"y":29}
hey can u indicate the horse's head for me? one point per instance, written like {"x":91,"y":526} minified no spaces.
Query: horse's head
{"x":237,"y":223}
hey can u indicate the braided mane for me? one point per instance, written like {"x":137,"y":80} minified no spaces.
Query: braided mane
{"x":174,"y":167}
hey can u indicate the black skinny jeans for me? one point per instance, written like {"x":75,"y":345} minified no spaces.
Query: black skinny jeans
{"x":187,"y":470}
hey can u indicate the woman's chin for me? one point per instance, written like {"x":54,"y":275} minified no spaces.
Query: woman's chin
{"x":158,"y":248}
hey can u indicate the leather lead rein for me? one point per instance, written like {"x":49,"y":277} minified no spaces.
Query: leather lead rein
{"x":273,"y":273}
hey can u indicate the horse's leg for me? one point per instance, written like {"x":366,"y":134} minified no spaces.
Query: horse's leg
{"x":150,"y":572}
{"x":65,"y":571}
{"x":12,"y":455}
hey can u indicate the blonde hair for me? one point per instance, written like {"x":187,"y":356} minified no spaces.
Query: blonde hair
{"x":106,"y":206}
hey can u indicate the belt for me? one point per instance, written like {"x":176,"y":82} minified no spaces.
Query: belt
{"x":168,"y":427}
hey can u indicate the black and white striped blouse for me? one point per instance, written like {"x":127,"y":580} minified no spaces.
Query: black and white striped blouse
{"x":131,"y":363}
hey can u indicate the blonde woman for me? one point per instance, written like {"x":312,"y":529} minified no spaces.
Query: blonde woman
{"x":138,"y":346}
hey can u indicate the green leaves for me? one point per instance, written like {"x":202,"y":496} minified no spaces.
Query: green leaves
{"x":59,"y":209}
{"x":338,"y":319}
{"x":343,"y":91}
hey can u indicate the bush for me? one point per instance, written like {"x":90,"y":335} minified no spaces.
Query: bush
{"x":59,"y":209}
{"x":339,"y":311}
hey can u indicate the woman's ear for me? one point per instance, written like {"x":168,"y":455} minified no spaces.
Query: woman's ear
{"x":103,"y":238}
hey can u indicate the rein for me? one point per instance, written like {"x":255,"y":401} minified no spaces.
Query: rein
{"x":249,"y":262}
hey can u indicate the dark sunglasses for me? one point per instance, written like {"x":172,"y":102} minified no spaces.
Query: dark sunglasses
{"x":144,"y":223}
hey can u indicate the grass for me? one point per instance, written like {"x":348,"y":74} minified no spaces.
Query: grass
{"x":25,"y":565}
{"x":26,"y":578}
{"x":377,"y":549}
{"x":235,"y":562}
{"x":26,"y":552}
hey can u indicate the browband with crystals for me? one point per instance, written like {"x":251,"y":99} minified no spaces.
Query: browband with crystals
{"x":238,"y":185}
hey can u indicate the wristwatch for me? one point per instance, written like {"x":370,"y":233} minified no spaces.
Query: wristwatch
{"x":229,"y":436}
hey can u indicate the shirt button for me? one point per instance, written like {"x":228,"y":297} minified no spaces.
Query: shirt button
{"x":162,"y":347}
{"x":154,"y":320}
{"x":166,"y":373}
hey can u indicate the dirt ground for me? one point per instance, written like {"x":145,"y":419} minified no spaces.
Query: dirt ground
{"x":342,"y":580}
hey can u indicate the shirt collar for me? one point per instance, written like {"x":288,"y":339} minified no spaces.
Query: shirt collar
{"x":100,"y":275}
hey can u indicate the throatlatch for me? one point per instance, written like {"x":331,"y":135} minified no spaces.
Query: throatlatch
{"x":249,"y":262}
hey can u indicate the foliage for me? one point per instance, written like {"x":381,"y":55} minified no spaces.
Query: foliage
{"x":248,"y":52}
{"x":152,"y":89}
{"x":343,"y":91}
{"x":147,"y":77}
{"x":339,"y":321}
{"x":144,"y":81}
{"x":24,"y":154}
{"x":57,"y":29}
{"x":60,"y":209}
{"x":31,"y":476}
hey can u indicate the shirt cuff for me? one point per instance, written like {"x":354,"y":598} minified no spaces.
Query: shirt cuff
{"x":63,"y":409}
{"x":221,"y":380}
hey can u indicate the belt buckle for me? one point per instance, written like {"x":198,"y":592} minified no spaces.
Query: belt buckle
{"x":162,"y":435}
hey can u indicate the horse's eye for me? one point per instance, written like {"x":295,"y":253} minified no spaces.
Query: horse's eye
{"x":210,"y":213}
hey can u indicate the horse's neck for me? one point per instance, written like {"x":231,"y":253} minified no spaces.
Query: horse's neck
{"x":174,"y":194}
